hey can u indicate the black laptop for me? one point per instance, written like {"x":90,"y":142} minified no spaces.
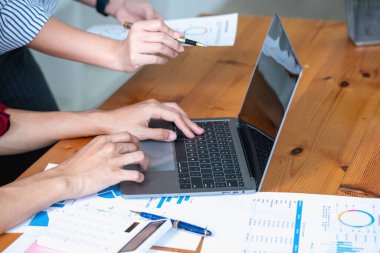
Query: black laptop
{"x":233,"y":154}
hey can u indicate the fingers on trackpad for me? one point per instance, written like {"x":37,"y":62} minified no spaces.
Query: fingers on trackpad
{"x":135,"y":167}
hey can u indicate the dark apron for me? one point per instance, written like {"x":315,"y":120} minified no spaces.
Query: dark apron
{"x":22,"y":86}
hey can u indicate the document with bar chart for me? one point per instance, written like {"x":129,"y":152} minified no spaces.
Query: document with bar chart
{"x":247,"y":223}
{"x":283,"y":222}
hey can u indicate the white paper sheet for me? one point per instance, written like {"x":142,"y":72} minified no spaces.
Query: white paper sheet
{"x":219,"y":30}
{"x":260,"y":222}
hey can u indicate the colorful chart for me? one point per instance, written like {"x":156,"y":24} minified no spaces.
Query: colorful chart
{"x":110,"y":192}
{"x":356,"y":218}
{"x":41,"y":219}
{"x":178,"y":200}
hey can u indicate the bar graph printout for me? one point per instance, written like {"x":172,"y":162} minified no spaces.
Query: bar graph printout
{"x":247,"y":223}
{"x":283,"y":222}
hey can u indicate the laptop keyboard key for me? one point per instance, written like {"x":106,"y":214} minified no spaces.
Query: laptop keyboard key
{"x":230,"y":176}
{"x":195,"y":174}
{"x":185,"y":186}
{"x":206,"y":171}
{"x":182,"y":165}
{"x":196,"y":182}
{"x":232,"y":183}
{"x":183,"y":170}
{"x":194,"y":169}
{"x":207,"y":176}
{"x":218,"y":174}
{"x":208,"y":183}
{"x":184,"y":181}
{"x":184,"y":175}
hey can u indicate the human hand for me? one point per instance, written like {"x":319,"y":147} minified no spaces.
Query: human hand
{"x":148,"y":42}
{"x":131,"y":10}
{"x":98,"y":165}
{"x":135,"y":119}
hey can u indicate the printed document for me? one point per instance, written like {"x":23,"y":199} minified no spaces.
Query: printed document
{"x":246,"y":223}
{"x":219,"y":30}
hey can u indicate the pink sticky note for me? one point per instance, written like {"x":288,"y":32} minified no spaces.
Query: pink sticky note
{"x":35,"y":248}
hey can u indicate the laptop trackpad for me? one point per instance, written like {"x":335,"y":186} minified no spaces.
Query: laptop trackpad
{"x":161,"y":155}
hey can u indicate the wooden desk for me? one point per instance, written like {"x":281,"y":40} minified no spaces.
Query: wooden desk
{"x":331,"y":139}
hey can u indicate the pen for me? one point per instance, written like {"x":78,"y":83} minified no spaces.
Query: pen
{"x":128,"y":25}
{"x":176,"y":223}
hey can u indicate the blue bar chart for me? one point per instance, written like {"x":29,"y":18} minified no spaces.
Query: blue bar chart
{"x":178,"y":200}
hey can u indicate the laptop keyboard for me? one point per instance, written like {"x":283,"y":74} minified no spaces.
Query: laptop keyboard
{"x":208,"y":160}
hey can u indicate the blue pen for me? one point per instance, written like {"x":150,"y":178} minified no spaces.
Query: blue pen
{"x":176,"y":223}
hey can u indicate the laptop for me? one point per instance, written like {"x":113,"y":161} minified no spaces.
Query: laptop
{"x":233,"y":154}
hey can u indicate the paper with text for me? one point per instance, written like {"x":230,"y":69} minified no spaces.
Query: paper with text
{"x":219,"y":30}
{"x":248,"y":223}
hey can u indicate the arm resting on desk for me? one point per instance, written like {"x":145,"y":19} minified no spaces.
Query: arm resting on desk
{"x":94,"y":167}
{"x":32,"y":130}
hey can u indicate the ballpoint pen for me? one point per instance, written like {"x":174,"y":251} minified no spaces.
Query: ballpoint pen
{"x":128,"y":25}
{"x":176,"y":223}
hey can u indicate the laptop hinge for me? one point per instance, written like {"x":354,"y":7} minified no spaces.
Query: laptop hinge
{"x":249,"y":151}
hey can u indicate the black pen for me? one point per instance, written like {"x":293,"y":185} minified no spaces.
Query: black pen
{"x":128,"y":25}
{"x":176,"y":223}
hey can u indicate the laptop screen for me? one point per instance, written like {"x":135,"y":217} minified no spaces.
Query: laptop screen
{"x":273,"y":82}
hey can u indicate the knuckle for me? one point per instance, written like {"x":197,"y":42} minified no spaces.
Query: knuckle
{"x":160,"y":23}
{"x":134,"y":147}
{"x":109,"y":148}
{"x":127,"y":135}
{"x":139,"y":156}
{"x":164,"y":134}
{"x":161,"y":46}
{"x":162,"y":38}
{"x":134,"y":176}
{"x":136,"y":156}
{"x":153,"y":102}
{"x":101,"y":138}
{"x":157,"y":60}
{"x":173,"y":53}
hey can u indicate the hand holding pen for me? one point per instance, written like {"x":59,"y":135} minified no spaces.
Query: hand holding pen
{"x":182,"y":39}
{"x":177,"y":224}
{"x":149,"y":42}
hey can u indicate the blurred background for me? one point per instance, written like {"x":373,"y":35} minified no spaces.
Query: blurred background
{"x":79,"y":86}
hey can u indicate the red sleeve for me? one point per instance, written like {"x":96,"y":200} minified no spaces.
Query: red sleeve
{"x":4,"y":120}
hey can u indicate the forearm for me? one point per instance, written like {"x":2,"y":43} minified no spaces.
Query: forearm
{"x":32,"y":130}
{"x":88,"y":2}
{"x":59,"y":39}
{"x":15,"y":198}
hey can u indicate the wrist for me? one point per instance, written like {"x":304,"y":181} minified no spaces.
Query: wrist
{"x":113,"y":6}
{"x":101,"y":6}
{"x":63,"y":185}
{"x":99,"y":121}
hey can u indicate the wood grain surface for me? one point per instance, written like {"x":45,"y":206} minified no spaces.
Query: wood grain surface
{"x":331,"y":138}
